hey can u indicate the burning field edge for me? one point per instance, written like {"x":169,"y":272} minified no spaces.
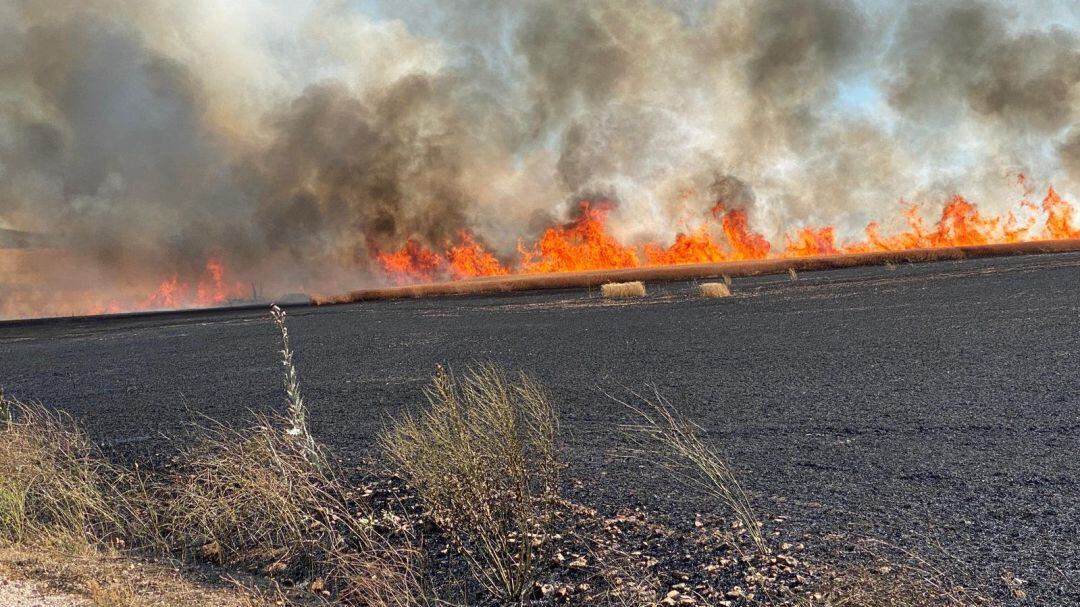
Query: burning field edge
{"x":757,"y":267}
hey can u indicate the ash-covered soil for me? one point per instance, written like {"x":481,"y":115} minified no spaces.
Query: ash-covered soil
{"x":934,"y":406}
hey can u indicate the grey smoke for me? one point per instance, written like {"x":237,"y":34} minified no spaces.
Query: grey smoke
{"x":292,"y":140}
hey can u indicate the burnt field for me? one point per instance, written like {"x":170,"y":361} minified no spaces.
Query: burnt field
{"x":936,"y":406}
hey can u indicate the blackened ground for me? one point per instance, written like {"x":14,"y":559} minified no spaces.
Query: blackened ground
{"x":928,"y":405}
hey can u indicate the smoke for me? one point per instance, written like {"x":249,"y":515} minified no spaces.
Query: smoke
{"x":292,"y":140}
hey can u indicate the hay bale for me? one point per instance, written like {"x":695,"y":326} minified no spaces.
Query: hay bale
{"x":714,"y":289}
{"x":623,"y":289}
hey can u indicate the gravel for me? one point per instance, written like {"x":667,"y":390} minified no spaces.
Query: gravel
{"x":14,"y":593}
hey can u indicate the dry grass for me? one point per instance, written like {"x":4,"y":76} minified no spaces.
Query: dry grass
{"x":54,"y":488}
{"x":896,"y":577}
{"x":623,"y":289}
{"x":266,"y":499}
{"x":262,"y":498}
{"x":251,"y":499}
{"x":108,"y":579}
{"x":714,"y":289}
{"x":792,"y":274}
{"x":663,"y":436}
{"x":482,"y":457}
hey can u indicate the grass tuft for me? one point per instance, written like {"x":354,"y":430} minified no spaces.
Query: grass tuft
{"x":482,"y":457}
{"x":54,"y":487}
{"x":623,"y":289}
{"x":662,"y":435}
{"x":250,"y":498}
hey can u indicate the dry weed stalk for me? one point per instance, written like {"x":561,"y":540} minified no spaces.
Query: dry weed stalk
{"x":792,"y":274}
{"x":482,"y":457}
{"x":296,"y":411}
{"x":266,"y":498}
{"x":714,"y":289}
{"x":664,"y":436}
{"x":623,"y":289}
{"x":5,"y":410}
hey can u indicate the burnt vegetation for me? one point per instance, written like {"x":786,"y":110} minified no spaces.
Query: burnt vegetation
{"x":464,"y":507}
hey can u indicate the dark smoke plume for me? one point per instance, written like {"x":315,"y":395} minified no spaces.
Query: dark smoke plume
{"x":292,"y":140}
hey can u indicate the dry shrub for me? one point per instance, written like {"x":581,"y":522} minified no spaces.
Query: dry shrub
{"x":662,"y":435}
{"x":623,"y":289}
{"x":714,"y":289}
{"x":482,"y":458}
{"x":249,"y":498}
{"x":53,"y":485}
{"x":259,"y":498}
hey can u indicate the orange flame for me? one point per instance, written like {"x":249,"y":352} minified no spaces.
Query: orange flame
{"x":583,"y":244}
{"x":411,"y":263}
{"x":1059,"y":221}
{"x":468,"y":259}
{"x":211,"y":290}
{"x":725,"y":235}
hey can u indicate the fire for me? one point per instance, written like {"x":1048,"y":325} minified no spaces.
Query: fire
{"x":412,"y":263}
{"x":745,"y":243}
{"x":811,"y":241}
{"x":1059,"y":220}
{"x":725,"y":235}
{"x":695,"y":247}
{"x":416,"y":263}
{"x":468,"y":259}
{"x":583,"y":244}
{"x":212,"y":288}
{"x":586,"y":243}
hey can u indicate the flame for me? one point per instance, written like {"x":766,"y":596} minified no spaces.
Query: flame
{"x":725,"y":235}
{"x":211,"y":289}
{"x":695,"y":247}
{"x":468,"y":259}
{"x":722,"y":234}
{"x":412,"y":263}
{"x":1059,"y":220}
{"x":583,"y":244}
{"x":811,"y":241}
